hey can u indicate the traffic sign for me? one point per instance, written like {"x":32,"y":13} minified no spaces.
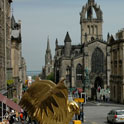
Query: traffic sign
{"x":83,"y":96}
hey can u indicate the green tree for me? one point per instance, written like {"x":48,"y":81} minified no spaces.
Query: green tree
{"x":51,"y":77}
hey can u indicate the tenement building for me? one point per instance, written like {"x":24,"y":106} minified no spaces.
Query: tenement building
{"x":84,"y":65}
{"x":16,"y":55}
{"x":117,"y":67}
{"x":5,"y":44}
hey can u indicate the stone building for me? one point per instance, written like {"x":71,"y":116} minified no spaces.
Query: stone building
{"x":5,"y":44}
{"x":24,"y":70}
{"x":84,"y":65}
{"x":16,"y":56}
{"x":117,"y":67}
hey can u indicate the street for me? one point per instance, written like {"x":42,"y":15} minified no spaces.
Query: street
{"x":96,"y":113}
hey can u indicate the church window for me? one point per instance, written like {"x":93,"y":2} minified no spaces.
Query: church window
{"x":92,"y":29}
{"x":97,"y":61}
{"x":96,"y":30}
{"x":88,"y":27}
{"x":68,"y":74}
{"x":79,"y":72}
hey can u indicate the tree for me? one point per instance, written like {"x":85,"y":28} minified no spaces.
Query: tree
{"x":50,"y":76}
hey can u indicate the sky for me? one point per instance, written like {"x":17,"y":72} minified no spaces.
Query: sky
{"x":53,"y":18}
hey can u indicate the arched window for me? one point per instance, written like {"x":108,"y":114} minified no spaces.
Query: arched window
{"x":79,"y":72}
{"x":88,"y":27}
{"x":92,"y":29}
{"x":96,"y":30}
{"x":68,"y":74}
{"x":97,"y":61}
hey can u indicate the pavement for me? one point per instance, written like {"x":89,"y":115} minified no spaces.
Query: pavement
{"x":97,"y":103}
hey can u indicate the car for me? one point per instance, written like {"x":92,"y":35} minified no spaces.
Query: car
{"x":116,"y":116}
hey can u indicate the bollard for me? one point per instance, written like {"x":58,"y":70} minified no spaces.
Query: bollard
{"x":77,"y":122}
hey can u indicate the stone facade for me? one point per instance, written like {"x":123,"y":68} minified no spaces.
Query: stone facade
{"x":24,"y":70}
{"x":18,"y":63}
{"x":76,"y":63}
{"x":5,"y":44}
{"x":117,"y":67}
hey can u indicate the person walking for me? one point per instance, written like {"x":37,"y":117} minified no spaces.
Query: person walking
{"x":21,"y":118}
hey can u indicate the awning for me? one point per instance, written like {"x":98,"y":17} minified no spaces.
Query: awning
{"x":10,"y":103}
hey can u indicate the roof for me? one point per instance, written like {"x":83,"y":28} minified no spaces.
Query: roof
{"x":10,"y":103}
{"x":97,"y":40}
{"x":67,"y":38}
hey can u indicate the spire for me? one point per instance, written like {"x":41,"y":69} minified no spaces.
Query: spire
{"x":48,"y":45}
{"x":13,"y":22}
{"x":67,"y":38}
{"x":56,"y":42}
{"x":108,"y":36}
{"x":48,"y":55}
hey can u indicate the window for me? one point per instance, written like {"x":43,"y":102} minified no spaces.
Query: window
{"x":88,"y":27}
{"x":68,"y":74}
{"x":79,"y":72}
{"x":114,"y":91}
{"x":96,"y":28}
{"x":97,"y":61}
{"x":92,"y":29}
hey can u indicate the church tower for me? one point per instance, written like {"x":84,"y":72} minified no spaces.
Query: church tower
{"x":48,"y":55}
{"x":67,"y":43}
{"x":91,"y":20}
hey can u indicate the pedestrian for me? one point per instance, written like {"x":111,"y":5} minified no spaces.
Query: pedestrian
{"x":82,"y":113}
{"x":11,"y":120}
{"x":104,"y":98}
{"x":21,"y":118}
{"x":17,"y":116}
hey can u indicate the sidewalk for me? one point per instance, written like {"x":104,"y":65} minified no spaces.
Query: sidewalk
{"x":102,"y":103}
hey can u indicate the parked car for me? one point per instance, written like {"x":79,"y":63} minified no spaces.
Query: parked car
{"x":116,"y":116}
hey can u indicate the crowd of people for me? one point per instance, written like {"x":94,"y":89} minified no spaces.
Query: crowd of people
{"x":12,"y":117}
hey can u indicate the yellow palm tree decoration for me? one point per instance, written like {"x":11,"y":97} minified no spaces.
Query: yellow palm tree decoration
{"x":48,"y":103}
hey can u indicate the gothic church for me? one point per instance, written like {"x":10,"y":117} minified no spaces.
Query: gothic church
{"x":84,"y":65}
